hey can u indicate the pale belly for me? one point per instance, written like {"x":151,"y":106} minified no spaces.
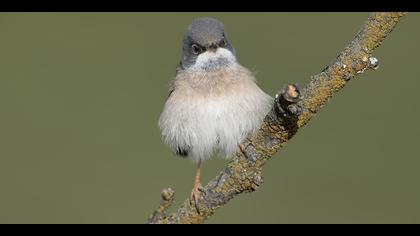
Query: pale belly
{"x":208,"y":124}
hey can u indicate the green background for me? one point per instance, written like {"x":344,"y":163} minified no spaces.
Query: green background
{"x":81,"y":93}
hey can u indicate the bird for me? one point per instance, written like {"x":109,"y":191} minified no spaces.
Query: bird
{"x":214,"y":102}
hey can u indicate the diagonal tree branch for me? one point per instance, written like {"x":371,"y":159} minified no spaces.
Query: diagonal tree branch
{"x":292,"y":110}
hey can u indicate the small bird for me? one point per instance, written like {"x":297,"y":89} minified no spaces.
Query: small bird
{"x":214,"y":102}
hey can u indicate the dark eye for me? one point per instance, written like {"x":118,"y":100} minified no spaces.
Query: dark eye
{"x":223,"y":43}
{"x":196,"y":49}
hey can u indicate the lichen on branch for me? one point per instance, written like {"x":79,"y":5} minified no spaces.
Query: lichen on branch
{"x":292,"y":109}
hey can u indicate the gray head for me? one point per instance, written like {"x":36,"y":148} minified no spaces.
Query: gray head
{"x":206,"y":46}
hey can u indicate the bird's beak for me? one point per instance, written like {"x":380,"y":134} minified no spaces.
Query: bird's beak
{"x":212,"y":48}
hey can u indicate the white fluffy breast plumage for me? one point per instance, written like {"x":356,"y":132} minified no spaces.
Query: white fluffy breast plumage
{"x":211,"y":112}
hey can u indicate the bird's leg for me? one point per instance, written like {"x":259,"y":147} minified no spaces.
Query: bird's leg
{"x":195,"y":193}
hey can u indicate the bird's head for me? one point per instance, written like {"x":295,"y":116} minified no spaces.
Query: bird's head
{"x":206,"y":46}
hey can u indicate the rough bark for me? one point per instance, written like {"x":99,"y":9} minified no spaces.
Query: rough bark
{"x":292,"y":110}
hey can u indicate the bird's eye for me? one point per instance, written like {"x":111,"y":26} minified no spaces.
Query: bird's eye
{"x":196,"y":49}
{"x":223,"y":43}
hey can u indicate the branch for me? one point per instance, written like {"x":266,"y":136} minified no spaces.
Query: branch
{"x":292,"y":110}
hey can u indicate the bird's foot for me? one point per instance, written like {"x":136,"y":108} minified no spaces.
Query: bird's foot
{"x":195,"y":195}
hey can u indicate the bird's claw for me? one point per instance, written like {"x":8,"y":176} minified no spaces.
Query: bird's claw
{"x":195,"y":195}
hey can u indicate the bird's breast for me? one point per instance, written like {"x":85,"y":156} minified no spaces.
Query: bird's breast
{"x":213,"y":112}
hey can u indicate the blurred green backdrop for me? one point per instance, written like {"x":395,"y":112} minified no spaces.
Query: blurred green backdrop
{"x":81,"y":93}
